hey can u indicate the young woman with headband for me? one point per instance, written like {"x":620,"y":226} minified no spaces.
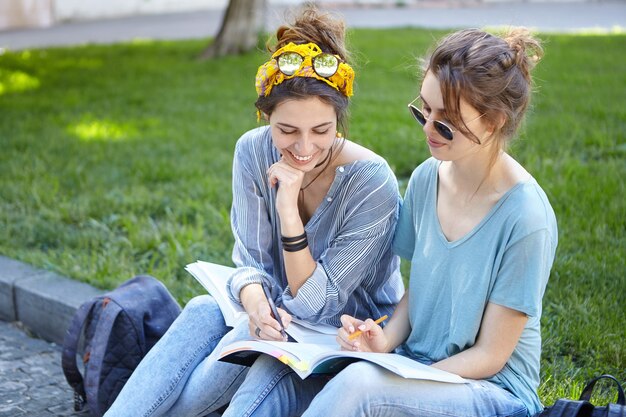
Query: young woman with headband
{"x":481,"y":237}
{"x":313,"y":216}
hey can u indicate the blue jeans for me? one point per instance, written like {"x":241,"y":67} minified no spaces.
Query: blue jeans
{"x":364,"y":389}
{"x":181,"y":375}
{"x":272,"y":389}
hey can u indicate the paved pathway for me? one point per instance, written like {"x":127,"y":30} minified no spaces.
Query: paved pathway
{"x":31,"y":381}
{"x":559,"y":16}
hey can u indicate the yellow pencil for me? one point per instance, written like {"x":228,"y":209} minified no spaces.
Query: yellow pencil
{"x":359,"y":332}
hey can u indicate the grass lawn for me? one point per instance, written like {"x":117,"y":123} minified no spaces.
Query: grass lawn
{"x":116,"y":161}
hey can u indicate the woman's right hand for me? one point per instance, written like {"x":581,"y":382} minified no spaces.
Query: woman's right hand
{"x":269,"y":329}
{"x":260,"y":314}
{"x":371,"y":339}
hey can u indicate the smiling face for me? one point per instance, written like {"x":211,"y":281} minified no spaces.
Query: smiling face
{"x":303,"y":131}
{"x":433,"y":109}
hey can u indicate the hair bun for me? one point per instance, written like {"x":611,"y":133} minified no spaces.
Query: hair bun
{"x":310,"y":25}
{"x":526,"y":49}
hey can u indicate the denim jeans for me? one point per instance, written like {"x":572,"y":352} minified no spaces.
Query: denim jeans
{"x":272,"y":389}
{"x":181,"y":375}
{"x":364,"y":389}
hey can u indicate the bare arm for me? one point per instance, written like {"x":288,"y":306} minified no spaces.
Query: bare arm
{"x":499,"y":333}
{"x":298,"y":265}
{"x":398,"y":328}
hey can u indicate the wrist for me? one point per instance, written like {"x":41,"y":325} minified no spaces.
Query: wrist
{"x":289,"y":219}
{"x":291,"y":226}
{"x":250,"y":294}
{"x":387,"y":348}
{"x":294,"y":243}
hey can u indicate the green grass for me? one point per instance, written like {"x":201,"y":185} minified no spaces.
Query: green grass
{"x":116,"y":161}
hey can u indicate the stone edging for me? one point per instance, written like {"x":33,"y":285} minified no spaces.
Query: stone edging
{"x":42,"y":300}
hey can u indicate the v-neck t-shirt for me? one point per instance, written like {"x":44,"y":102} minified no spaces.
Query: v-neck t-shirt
{"x":505,"y":259}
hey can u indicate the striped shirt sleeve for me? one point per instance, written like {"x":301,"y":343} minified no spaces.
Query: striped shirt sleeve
{"x":250,"y":223}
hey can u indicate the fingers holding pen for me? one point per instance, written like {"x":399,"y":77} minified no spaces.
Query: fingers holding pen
{"x":349,"y":326}
{"x":262,"y":324}
{"x":285,"y":317}
{"x":359,"y":335}
{"x":370,"y":328}
{"x":270,"y":327}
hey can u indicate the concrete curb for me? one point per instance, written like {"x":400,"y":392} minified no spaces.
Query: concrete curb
{"x":42,"y":300}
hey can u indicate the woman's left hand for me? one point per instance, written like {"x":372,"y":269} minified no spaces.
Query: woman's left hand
{"x":289,"y":180}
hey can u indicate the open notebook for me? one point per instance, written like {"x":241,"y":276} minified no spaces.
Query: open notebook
{"x":306,"y":359}
{"x":316,"y":351}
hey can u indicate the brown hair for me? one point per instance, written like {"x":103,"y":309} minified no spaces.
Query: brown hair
{"x":327,"y":32}
{"x":491,"y":73}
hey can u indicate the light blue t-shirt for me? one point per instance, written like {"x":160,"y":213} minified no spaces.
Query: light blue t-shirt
{"x":505,"y":259}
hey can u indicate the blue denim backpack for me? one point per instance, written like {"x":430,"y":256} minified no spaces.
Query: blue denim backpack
{"x":117,"y":329}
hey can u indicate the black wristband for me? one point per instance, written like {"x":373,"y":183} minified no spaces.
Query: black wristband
{"x":295,"y":247}
{"x":293,"y":239}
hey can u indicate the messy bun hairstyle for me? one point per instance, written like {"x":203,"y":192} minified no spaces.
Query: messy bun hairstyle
{"x":491,"y":73}
{"x":327,"y":32}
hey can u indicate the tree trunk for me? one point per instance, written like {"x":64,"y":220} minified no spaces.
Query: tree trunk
{"x":241,"y":25}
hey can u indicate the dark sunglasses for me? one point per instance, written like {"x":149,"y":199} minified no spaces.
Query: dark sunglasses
{"x":443,"y":129}
{"x":325,"y":65}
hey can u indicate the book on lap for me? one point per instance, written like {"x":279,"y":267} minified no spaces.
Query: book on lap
{"x":306,"y":359}
{"x":316,"y":350}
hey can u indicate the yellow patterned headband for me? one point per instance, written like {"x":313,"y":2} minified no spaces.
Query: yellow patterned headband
{"x":306,"y":60}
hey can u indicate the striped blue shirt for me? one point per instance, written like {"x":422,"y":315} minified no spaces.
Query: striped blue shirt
{"x":349,"y":236}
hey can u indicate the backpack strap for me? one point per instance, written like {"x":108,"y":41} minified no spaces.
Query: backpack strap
{"x":70,"y":347}
{"x":570,"y":408}
{"x":100,"y":342}
{"x":586,"y":395}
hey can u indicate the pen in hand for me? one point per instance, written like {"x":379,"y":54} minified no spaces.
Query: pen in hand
{"x":358,"y":333}
{"x":274,"y":310}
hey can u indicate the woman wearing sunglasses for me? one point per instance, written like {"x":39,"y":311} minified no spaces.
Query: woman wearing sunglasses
{"x":313,"y":216}
{"x":481,"y":237}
